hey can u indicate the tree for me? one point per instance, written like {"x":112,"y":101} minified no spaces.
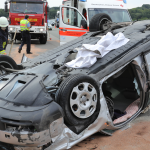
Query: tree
{"x":52,"y":12}
{"x":140,"y":13}
{"x":3,"y":13}
{"x":146,"y":6}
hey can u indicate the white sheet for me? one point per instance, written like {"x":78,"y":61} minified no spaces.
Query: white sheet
{"x":88,"y":54}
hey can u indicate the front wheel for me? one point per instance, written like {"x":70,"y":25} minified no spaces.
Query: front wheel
{"x":79,"y":97}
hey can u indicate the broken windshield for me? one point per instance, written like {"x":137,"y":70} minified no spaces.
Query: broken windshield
{"x":26,"y":8}
{"x":117,"y":15}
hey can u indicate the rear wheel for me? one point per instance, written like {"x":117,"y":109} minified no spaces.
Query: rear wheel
{"x":98,"y":22}
{"x":79,"y":97}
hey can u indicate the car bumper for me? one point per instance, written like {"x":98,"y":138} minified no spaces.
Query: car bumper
{"x":25,"y":138}
{"x":33,"y":127}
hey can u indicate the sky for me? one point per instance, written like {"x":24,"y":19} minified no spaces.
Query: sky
{"x":131,"y":3}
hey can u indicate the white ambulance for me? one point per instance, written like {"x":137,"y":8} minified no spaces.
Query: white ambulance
{"x":72,"y":12}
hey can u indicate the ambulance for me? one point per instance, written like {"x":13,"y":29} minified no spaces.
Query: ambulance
{"x":73,"y":12}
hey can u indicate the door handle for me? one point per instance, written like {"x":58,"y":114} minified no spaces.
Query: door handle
{"x":63,"y":29}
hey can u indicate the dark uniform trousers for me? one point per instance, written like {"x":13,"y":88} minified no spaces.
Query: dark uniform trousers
{"x":26,"y":39}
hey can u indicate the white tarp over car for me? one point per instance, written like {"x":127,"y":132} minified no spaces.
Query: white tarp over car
{"x":88,"y":54}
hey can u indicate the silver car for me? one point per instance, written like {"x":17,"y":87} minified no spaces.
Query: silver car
{"x":45,"y":105}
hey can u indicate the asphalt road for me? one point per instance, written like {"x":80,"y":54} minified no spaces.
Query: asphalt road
{"x":36,"y":47}
{"x":136,"y":137}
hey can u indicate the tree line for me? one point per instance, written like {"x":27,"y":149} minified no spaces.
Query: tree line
{"x":139,"y":13}
{"x":3,"y":13}
{"x":52,"y":12}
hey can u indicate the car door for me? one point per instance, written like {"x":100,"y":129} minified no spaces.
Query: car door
{"x":70,"y":26}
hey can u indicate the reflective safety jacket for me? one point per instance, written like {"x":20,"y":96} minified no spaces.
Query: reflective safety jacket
{"x":23,"y":25}
{"x":3,"y":41}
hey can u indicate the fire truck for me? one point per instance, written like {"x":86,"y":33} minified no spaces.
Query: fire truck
{"x":37,"y":10}
{"x":72,"y":12}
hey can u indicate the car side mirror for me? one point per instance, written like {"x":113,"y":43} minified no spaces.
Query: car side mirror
{"x":6,"y":7}
{"x":84,"y":24}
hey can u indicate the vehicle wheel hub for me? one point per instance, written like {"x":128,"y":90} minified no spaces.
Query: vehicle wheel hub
{"x":83,"y":100}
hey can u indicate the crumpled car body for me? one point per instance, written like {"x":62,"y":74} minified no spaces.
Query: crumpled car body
{"x":49,"y":106}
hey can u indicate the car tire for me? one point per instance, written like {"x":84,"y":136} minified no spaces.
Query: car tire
{"x":97,"y":22}
{"x":88,"y":106}
{"x":8,"y":62}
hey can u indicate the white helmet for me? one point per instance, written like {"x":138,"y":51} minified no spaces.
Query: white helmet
{"x":3,"y":22}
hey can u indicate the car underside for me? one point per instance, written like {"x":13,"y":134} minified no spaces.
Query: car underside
{"x":45,"y":105}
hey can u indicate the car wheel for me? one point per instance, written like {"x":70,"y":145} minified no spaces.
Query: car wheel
{"x":7,"y":62}
{"x":79,"y":97}
{"x":98,"y":22}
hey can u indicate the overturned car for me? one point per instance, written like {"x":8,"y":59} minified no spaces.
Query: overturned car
{"x":45,"y":105}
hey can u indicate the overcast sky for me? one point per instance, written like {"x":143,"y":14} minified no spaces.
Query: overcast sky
{"x":131,"y":3}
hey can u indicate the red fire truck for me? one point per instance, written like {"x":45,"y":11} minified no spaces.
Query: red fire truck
{"x":37,"y":11}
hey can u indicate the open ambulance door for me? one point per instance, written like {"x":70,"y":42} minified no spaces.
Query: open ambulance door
{"x":72,"y":24}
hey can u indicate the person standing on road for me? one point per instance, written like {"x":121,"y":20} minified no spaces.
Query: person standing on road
{"x":25,"y":31}
{"x":3,"y":34}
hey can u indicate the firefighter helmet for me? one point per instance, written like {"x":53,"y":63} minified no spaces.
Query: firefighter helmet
{"x":3,"y":22}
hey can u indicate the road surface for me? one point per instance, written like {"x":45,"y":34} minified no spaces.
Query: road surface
{"x":36,"y":47}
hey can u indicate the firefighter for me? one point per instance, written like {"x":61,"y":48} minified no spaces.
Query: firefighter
{"x":3,"y":34}
{"x":25,"y":31}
